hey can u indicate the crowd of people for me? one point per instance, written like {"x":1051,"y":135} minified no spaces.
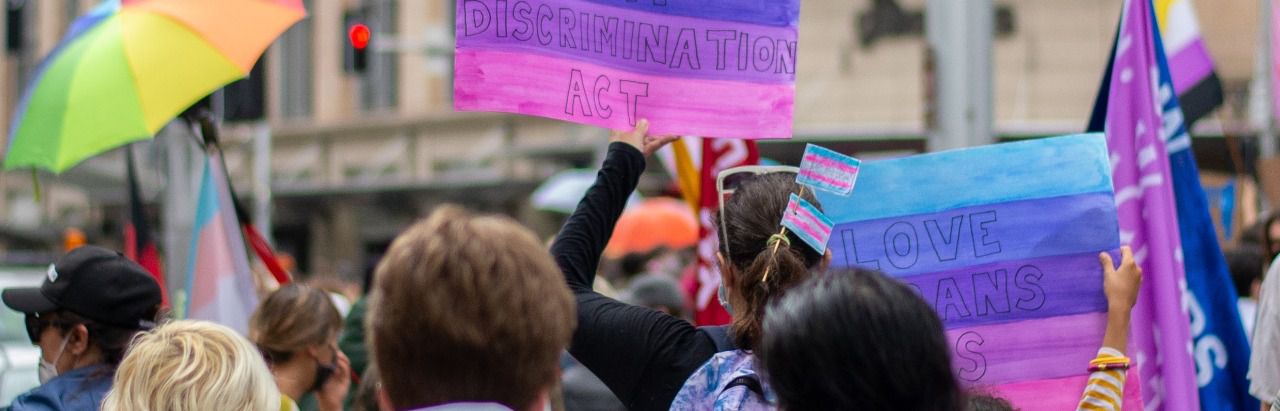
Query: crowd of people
{"x":472,"y":312}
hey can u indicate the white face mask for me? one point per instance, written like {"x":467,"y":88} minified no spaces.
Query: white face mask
{"x":49,"y":370}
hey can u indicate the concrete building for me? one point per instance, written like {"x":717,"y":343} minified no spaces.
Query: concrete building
{"x":356,"y":157}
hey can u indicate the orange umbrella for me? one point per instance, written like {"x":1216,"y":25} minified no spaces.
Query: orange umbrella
{"x":655,"y":222}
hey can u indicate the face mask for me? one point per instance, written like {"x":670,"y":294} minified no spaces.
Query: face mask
{"x":49,"y":370}
{"x":323,"y":373}
{"x":724,"y":299}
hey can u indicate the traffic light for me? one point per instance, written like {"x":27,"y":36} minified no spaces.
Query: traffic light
{"x":358,"y":37}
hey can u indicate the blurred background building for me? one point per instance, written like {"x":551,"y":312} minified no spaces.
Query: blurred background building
{"x":361,"y":142}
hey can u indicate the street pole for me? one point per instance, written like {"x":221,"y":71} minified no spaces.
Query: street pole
{"x":1263,"y":92}
{"x":262,"y":178}
{"x":959,"y":35}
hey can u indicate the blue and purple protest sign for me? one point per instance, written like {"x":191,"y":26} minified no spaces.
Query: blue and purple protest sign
{"x":710,"y":68}
{"x":1003,"y":242}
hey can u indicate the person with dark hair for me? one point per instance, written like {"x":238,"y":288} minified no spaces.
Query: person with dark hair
{"x":988,"y":402}
{"x":91,"y":304}
{"x":296,"y":328}
{"x":888,"y":351}
{"x":648,"y":358}
{"x":1245,"y":263}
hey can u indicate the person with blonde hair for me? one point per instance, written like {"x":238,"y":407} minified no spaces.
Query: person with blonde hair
{"x":296,"y":328}
{"x":192,"y":365}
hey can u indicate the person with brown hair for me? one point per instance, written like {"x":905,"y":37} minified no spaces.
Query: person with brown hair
{"x":468,"y":309}
{"x":296,"y":329}
{"x":647,"y":357}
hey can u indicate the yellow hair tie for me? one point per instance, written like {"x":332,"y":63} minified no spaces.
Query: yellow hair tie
{"x":779,"y":238}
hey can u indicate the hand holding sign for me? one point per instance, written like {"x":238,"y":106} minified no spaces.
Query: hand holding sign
{"x":640,"y":139}
{"x":1121,"y":285}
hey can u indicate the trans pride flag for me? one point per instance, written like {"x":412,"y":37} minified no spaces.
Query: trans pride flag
{"x":220,"y":287}
{"x":1003,"y":241}
{"x":708,"y":68}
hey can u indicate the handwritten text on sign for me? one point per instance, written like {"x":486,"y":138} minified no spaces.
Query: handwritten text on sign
{"x":1002,"y":241}
{"x":722,"y":70}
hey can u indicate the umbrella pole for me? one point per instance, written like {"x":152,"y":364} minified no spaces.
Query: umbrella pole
{"x":35,"y":183}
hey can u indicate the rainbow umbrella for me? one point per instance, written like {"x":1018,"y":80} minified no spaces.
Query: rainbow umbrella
{"x":128,"y":67}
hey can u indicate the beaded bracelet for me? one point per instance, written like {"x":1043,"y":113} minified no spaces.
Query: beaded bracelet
{"x":1109,"y":364}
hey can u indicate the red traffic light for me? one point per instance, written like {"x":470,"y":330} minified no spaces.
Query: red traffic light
{"x":359,"y":35}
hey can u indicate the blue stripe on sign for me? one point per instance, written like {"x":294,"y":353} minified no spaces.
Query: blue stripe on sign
{"x":930,"y":183}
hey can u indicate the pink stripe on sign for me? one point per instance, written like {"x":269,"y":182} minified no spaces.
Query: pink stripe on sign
{"x":1053,"y":347}
{"x":818,"y":176}
{"x":1061,"y":393}
{"x":828,"y":162}
{"x":804,"y":212}
{"x":807,"y":227}
{"x":611,"y":98}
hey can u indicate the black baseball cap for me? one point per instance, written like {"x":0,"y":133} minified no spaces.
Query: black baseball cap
{"x":94,"y":283}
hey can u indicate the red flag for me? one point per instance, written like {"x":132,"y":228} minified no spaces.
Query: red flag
{"x":717,"y":155}
{"x":137,"y":233}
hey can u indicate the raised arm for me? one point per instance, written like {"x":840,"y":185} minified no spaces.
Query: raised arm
{"x":1107,"y":370}
{"x":643,"y":355}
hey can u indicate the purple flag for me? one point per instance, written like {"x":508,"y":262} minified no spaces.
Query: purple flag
{"x":1148,"y":215}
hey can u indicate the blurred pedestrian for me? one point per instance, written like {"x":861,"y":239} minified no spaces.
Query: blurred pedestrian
{"x":92,"y":302}
{"x":1245,"y":263}
{"x":296,"y":329}
{"x":468,"y":312}
{"x":654,"y":361}
{"x":192,"y":366}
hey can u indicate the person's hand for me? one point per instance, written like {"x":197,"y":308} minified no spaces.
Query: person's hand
{"x":640,"y":139}
{"x":334,"y":391}
{"x":1121,"y":284}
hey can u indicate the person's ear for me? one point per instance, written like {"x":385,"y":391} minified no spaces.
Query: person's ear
{"x":726,"y":272}
{"x":78,"y":342}
{"x":319,"y":352}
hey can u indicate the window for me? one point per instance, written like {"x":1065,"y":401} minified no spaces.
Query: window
{"x":378,"y":85}
{"x":296,"y":68}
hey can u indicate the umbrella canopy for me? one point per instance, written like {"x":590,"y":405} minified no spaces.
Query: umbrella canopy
{"x":125,"y":69}
{"x":562,"y":192}
{"x":656,"y":222}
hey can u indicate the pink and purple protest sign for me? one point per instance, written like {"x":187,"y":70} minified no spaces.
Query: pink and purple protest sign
{"x":1019,"y":289}
{"x":711,"y":68}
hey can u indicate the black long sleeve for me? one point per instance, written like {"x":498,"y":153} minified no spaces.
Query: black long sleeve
{"x":643,"y":355}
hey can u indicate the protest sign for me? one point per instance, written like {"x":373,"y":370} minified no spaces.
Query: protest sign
{"x":717,"y":68}
{"x":1003,"y":242}
{"x":824,"y":169}
{"x":803,"y":219}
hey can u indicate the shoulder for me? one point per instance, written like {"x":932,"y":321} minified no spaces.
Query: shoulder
{"x":39,"y":398}
{"x":287,"y":404}
{"x":703,"y":387}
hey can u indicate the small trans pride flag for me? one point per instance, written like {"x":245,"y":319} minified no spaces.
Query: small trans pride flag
{"x":808,"y":223}
{"x":828,"y":170}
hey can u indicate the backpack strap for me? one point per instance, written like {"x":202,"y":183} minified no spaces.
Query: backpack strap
{"x":720,"y":337}
{"x":748,"y":381}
